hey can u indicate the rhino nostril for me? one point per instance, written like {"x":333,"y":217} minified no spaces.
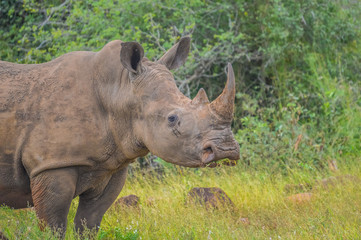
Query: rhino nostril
{"x":208,"y":155}
{"x":208,"y":149}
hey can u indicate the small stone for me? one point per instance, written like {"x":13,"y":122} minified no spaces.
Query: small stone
{"x":128,"y":201}
{"x":300,"y":198}
{"x":210,"y":197}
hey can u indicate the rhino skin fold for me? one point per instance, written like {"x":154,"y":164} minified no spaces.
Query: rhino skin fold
{"x":71,"y":126}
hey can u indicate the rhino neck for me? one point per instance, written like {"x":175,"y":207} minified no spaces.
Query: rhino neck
{"x":116,"y":101}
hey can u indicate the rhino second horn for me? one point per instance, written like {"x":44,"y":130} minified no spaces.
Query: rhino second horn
{"x":223,"y":105}
{"x":200,"y":98}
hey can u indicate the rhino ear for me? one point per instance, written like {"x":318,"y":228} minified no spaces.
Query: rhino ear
{"x":131,"y":55}
{"x":177,"y":55}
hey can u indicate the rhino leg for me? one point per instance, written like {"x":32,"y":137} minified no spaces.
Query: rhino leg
{"x":14,"y":182}
{"x":52,"y":193}
{"x":91,"y":209}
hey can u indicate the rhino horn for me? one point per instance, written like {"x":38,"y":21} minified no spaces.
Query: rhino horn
{"x":223,"y":105}
{"x":200,"y":98}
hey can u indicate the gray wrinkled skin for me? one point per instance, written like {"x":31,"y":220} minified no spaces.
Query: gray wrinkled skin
{"x":71,"y":126}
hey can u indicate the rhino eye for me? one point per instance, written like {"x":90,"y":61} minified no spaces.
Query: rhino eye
{"x":172,"y":119}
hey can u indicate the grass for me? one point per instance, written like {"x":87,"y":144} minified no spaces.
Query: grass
{"x":257,"y":189}
{"x":314,"y":97}
{"x":333,"y":213}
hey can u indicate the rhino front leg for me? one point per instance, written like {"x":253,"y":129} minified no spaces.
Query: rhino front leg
{"x":52,"y":193}
{"x":91,"y":209}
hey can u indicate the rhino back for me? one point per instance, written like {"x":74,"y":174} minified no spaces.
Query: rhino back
{"x":49,"y":115}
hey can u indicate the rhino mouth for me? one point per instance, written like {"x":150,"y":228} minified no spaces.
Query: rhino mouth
{"x":223,"y":162}
{"x":215,"y":156}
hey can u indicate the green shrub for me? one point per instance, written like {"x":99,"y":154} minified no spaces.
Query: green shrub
{"x":297,"y":63}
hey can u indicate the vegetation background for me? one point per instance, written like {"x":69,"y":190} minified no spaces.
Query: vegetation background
{"x":298,"y":107}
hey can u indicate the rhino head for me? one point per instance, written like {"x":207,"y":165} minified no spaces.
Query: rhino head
{"x":191,"y":133}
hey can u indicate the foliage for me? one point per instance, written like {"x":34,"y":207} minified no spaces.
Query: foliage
{"x":297,"y":62}
{"x":298,"y":106}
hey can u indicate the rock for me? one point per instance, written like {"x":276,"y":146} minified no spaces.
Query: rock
{"x":327,"y":183}
{"x":128,"y":201}
{"x":300,"y":198}
{"x":2,"y":237}
{"x":210,"y":197}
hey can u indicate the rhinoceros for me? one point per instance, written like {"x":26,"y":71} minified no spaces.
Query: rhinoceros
{"x":70,"y":127}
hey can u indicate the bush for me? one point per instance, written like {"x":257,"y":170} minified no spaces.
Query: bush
{"x":297,"y":63}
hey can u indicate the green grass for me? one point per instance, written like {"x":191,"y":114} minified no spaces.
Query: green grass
{"x":333,"y":213}
{"x":308,"y":86}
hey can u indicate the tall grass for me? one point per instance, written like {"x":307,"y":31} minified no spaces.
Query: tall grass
{"x":272,"y":155}
{"x":298,"y":107}
{"x":164,"y":213}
